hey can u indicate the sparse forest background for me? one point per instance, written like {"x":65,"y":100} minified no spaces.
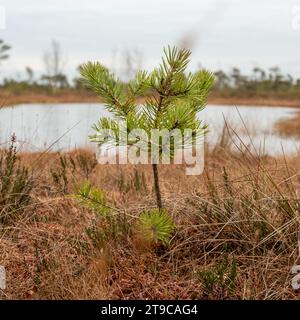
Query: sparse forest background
{"x":233,"y":84}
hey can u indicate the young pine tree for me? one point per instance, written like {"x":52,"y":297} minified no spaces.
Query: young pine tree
{"x":173,"y":98}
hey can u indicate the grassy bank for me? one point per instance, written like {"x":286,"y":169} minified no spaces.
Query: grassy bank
{"x":290,"y":127}
{"x":255,"y":101}
{"x":236,"y":234}
{"x":10,"y":98}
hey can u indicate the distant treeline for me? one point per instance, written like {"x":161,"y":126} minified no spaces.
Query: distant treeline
{"x":259,"y":83}
{"x":233,"y":84}
{"x":49,"y":83}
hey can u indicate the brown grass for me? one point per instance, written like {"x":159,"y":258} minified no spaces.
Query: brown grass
{"x":236,"y":232}
{"x":83,"y":96}
{"x":64,"y":96}
{"x":290,"y":127}
{"x":256,"y":101}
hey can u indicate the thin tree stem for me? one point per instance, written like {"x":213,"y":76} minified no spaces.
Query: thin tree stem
{"x":156,"y":186}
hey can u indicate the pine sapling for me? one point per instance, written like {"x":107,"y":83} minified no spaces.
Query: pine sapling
{"x":172,"y":99}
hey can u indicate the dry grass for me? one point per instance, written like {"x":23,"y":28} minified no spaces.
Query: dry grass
{"x":255,"y":101}
{"x":11,"y":97}
{"x":290,"y":127}
{"x":236,"y":232}
{"x":63,"y":96}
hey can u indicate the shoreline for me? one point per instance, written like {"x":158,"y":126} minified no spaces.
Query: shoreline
{"x":8,"y":99}
{"x":266,"y":102}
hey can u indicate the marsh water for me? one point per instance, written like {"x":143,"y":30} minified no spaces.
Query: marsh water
{"x":67,"y":126}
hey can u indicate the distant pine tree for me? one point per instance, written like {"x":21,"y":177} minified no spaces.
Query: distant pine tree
{"x":4,"y":48}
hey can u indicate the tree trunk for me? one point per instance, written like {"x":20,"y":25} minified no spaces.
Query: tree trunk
{"x":156,"y":186}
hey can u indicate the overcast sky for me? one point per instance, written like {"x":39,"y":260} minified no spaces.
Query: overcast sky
{"x":222,"y":33}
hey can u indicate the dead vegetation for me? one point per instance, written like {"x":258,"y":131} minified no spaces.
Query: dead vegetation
{"x":289,"y":127}
{"x":235,"y":237}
